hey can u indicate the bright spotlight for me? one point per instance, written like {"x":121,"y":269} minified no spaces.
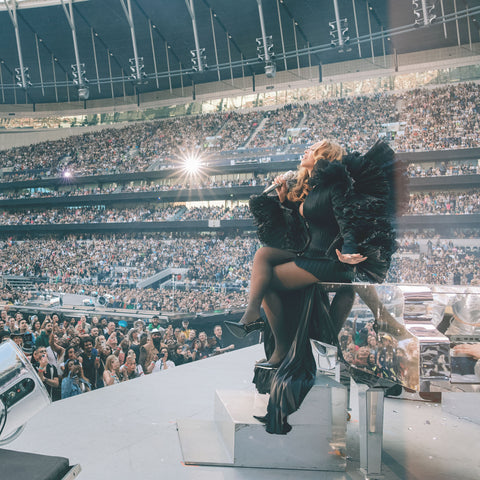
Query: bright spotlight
{"x":67,"y":174}
{"x":192,"y":164}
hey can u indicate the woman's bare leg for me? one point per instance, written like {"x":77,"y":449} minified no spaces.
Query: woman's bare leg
{"x":285,"y":277}
{"x":266,"y":258}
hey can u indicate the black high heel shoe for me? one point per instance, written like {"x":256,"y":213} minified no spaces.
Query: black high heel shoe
{"x":241,"y":330}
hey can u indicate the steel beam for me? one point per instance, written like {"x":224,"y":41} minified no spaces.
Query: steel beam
{"x":127,"y":8}
{"x":339,"y":25}
{"x":1,"y":83}
{"x":191,"y":11}
{"x":39,"y":63}
{"x":71,"y":23}
{"x":93,"y":35}
{"x":370,"y":32}
{"x":281,"y":36}
{"x":215,"y":42}
{"x":153,"y":51}
{"x":11,"y":6}
{"x":443,"y":21}
{"x":356,"y":27}
{"x":264,"y":34}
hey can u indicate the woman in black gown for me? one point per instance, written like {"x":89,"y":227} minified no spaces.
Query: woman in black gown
{"x":320,"y":197}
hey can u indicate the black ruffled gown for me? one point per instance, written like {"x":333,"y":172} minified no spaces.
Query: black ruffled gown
{"x":350,"y":207}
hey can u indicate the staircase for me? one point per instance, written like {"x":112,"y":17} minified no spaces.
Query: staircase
{"x":161,"y":277}
{"x":254,"y":134}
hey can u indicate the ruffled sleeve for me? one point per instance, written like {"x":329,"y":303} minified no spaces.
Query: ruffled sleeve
{"x":367,"y":192}
{"x":379,"y":193}
{"x":279,"y":225}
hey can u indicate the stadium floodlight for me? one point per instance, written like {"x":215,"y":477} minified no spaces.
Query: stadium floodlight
{"x":80,"y":80}
{"x":23,"y":81}
{"x":197,"y":65}
{"x":78,"y":76}
{"x":339,"y":37}
{"x":138,"y":75}
{"x":423,"y":11}
{"x":266,"y":53}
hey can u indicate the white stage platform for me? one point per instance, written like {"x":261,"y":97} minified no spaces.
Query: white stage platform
{"x":130,"y":430}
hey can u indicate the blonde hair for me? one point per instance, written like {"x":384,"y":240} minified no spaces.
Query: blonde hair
{"x":326,"y":150}
{"x":109,"y":362}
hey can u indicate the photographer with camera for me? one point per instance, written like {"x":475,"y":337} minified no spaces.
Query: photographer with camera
{"x":161,"y":362}
{"x":48,"y":373}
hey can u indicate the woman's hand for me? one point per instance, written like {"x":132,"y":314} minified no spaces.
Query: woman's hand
{"x":282,"y":190}
{"x":351,"y":258}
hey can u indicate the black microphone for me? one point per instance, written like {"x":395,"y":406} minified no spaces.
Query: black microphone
{"x":287,"y":176}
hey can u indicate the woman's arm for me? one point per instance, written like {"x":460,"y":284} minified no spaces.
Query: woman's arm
{"x":107,"y":378}
{"x":151,"y":367}
{"x":55,"y":346}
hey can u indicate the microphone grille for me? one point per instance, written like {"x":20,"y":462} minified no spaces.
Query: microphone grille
{"x":290,"y":175}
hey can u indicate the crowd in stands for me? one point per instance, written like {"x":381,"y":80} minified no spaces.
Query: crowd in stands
{"x":216,"y":274}
{"x":257,"y":180}
{"x":354,"y":122}
{"x":238,"y":129}
{"x":275,"y":130}
{"x":125,"y":260}
{"x":443,"y":266}
{"x":424,"y":112}
{"x":413,"y":170}
{"x":424,"y":203}
{"x":73,"y":356}
{"x":46,"y":193}
{"x":423,"y":119}
{"x":95,"y":214}
{"x":444,"y":169}
{"x":444,"y":203}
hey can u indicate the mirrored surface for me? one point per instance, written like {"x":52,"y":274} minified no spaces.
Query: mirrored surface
{"x":413,"y":335}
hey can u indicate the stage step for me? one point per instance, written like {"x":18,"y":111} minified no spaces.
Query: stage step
{"x":235,"y":438}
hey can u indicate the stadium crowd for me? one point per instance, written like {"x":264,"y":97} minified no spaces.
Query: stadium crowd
{"x":424,"y":203}
{"x":124,"y":260}
{"x":444,"y":169}
{"x":444,"y":203}
{"x":440,"y":118}
{"x":414,"y":170}
{"x":443,"y":264}
{"x":75,"y":355}
{"x":215,"y":275}
{"x":260,"y":180}
{"x":96,"y":214}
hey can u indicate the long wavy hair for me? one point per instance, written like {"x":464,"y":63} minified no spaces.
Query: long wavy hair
{"x":326,"y":150}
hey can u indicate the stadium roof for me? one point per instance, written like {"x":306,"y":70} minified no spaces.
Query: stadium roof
{"x":153,"y":40}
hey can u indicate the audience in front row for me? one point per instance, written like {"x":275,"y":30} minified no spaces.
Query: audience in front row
{"x":80,"y":366}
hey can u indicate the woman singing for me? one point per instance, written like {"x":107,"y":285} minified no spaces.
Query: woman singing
{"x":319,"y":196}
{"x":349,"y":203}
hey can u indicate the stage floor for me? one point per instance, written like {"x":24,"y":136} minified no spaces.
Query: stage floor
{"x":129,"y":430}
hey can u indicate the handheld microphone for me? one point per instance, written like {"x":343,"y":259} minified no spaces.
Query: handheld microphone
{"x":287,"y":176}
